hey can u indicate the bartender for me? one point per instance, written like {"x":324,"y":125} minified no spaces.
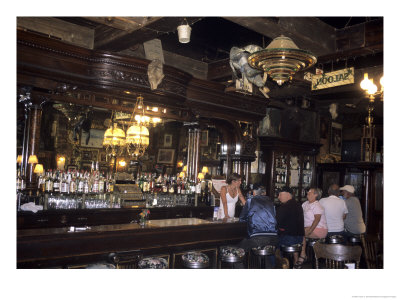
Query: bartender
{"x":230,"y":194}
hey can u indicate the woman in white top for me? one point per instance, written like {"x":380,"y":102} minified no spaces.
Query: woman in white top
{"x":314,"y":221}
{"x":229,"y":196}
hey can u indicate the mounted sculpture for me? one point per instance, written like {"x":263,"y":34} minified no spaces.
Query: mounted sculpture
{"x":155,"y":73}
{"x":238,"y":60}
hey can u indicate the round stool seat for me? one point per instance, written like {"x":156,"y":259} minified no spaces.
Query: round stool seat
{"x":354,"y":240}
{"x":153,"y":263}
{"x":231,"y":254}
{"x":100,"y":266}
{"x":311,"y":241}
{"x":336,"y":239}
{"x":291,"y":248}
{"x":195,"y":260}
{"x":264,"y":250}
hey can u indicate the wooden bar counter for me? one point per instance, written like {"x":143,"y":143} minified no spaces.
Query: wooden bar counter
{"x":168,"y":238}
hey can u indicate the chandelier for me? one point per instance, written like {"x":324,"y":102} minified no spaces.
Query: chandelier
{"x":281,"y":59}
{"x":136,"y":140}
{"x":114,"y":140}
{"x":137,"y":135}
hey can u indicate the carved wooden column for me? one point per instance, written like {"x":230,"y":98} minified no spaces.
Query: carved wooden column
{"x":193,"y":153}
{"x":33,"y":116}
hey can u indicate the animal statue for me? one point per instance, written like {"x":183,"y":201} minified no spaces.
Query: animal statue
{"x":238,"y":62}
{"x":84,"y":123}
{"x":155,"y":73}
{"x":333,"y":110}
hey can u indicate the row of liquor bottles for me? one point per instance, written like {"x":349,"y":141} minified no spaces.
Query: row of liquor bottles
{"x":151,"y":183}
{"x":281,"y":162}
{"x":281,"y":177}
{"x":70,"y":182}
{"x":86,"y":182}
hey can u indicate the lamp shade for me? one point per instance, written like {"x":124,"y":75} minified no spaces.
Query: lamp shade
{"x":19,"y":159}
{"x":181,"y":174}
{"x":204,"y":170}
{"x":184,"y":33}
{"x":33,"y":159}
{"x":200,"y":176}
{"x":38,"y":169}
{"x":114,"y":136}
{"x":137,"y":135}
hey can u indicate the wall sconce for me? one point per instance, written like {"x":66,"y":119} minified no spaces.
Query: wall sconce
{"x":184,"y":168}
{"x":60,"y":163}
{"x":184,"y":31}
{"x":180,"y":164}
{"x":200,"y":176}
{"x":19,"y":159}
{"x":204,"y":170}
{"x":122,"y":163}
{"x":33,"y":159}
{"x":370,"y":88}
{"x":181,"y":175}
{"x":38,"y":169}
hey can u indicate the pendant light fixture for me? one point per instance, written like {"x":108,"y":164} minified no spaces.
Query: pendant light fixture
{"x":281,"y":59}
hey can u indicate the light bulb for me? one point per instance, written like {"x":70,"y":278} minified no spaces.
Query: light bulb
{"x":372,"y":88}
{"x":365,"y":83}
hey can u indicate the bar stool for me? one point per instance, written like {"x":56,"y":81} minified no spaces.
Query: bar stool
{"x":310,"y":250}
{"x":195,"y":260}
{"x":288,"y":252}
{"x":229,"y":255}
{"x":153,"y":263}
{"x":261,"y":254}
{"x":336,"y":239}
{"x":100,"y":266}
{"x":354,"y":240}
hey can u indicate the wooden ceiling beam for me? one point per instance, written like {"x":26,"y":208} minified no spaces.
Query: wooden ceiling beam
{"x":111,"y":39}
{"x":307,"y":33}
{"x":124,"y":23}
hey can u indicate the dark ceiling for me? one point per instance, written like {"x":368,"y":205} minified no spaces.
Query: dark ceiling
{"x":338,"y":42}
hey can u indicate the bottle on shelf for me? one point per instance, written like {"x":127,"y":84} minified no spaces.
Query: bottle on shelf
{"x":56,"y":182}
{"x":19,"y":180}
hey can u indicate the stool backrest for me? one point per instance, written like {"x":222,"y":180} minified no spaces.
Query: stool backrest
{"x":337,"y":255}
{"x":373,"y":251}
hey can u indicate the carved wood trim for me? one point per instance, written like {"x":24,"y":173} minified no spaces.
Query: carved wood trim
{"x":44,"y":60}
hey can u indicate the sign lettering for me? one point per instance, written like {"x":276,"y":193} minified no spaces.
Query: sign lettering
{"x":332,"y":79}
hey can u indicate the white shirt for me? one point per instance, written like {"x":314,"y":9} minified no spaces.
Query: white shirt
{"x":335,"y":208}
{"x":312,"y":209}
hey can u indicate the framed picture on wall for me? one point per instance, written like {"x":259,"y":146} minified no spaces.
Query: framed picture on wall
{"x":204,"y":138}
{"x":95,"y":140}
{"x":165,"y":156}
{"x":167,"y":140}
{"x":336,"y":138}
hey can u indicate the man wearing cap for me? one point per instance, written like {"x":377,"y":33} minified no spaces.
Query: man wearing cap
{"x":354,"y":223}
{"x":259,"y":213}
{"x":335,"y":211}
{"x":290,"y":220}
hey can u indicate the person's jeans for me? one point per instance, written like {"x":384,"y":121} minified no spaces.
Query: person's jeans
{"x":342,"y":233}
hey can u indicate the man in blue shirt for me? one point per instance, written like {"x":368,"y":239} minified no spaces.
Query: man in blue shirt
{"x":259,"y":213}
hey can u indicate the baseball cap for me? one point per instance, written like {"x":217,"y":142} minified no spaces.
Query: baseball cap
{"x":286,"y":189}
{"x":348,"y":188}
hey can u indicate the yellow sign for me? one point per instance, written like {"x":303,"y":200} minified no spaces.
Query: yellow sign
{"x":337,"y":78}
